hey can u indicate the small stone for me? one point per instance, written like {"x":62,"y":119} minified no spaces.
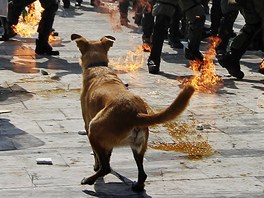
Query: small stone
{"x":5,"y":111}
{"x":44,"y":161}
{"x":200,"y":127}
{"x":82,"y":132}
{"x":44,"y":72}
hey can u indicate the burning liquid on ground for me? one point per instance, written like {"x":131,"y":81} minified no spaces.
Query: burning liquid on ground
{"x":185,"y":139}
{"x":129,"y":63}
{"x":205,"y":80}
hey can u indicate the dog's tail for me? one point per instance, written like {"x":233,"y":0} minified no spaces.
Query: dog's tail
{"x":171,"y":112}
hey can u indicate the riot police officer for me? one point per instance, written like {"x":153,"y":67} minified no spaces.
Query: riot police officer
{"x":195,"y":15}
{"x":253,"y":12}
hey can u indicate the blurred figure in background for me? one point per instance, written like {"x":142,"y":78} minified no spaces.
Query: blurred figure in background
{"x":163,"y":11}
{"x":195,"y":16}
{"x":225,"y":30}
{"x":253,"y":12}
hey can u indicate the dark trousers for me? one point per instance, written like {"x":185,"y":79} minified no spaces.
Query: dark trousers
{"x":160,"y":31}
{"x":147,"y":25}
{"x":216,"y":15}
{"x":123,"y":7}
{"x":175,"y":23}
{"x":253,"y":25}
{"x":226,"y":28}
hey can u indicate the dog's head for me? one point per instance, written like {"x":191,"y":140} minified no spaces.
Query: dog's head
{"x":93,"y":53}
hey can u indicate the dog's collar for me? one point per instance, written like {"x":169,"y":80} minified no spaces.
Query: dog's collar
{"x":103,"y":64}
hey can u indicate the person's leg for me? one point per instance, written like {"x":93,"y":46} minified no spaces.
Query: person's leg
{"x":147,"y":29}
{"x":123,"y":10}
{"x":8,"y":31}
{"x":78,"y":3}
{"x":15,"y":8}
{"x":159,"y":32}
{"x":66,"y":3}
{"x":196,"y":17}
{"x":174,"y":31}
{"x":216,"y":15}
{"x":231,"y":60}
{"x":226,"y":30}
{"x":45,"y":27}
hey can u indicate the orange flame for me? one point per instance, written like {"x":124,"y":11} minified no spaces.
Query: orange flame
{"x":29,"y":20}
{"x":206,"y":80}
{"x":131,"y":62}
{"x":146,"y":47}
{"x":262,"y":65}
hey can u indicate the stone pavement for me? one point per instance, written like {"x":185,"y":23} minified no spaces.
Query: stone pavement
{"x":40,"y":117}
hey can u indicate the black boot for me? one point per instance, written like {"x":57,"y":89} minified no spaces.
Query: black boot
{"x":78,"y":3}
{"x":43,"y":48}
{"x":153,"y":67}
{"x":230,"y":61}
{"x":174,"y":42}
{"x":193,"y":54}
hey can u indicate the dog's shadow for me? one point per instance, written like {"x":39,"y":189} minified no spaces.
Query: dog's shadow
{"x":115,"y":189}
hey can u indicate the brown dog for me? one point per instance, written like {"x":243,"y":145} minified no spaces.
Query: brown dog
{"x":114,"y":116}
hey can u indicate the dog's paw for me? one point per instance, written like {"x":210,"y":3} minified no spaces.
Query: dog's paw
{"x":137,"y":188}
{"x":87,"y":180}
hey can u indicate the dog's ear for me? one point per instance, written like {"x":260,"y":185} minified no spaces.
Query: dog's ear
{"x":75,"y":36}
{"x":108,"y":41}
{"x":82,"y":43}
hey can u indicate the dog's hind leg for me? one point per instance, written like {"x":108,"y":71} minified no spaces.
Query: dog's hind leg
{"x":96,"y":160}
{"x":102,"y":156}
{"x":139,"y":148}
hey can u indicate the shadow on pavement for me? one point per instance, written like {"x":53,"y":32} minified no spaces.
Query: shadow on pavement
{"x":13,"y":94}
{"x":115,"y":189}
{"x":18,"y":55}
{"x":12,"y":138}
